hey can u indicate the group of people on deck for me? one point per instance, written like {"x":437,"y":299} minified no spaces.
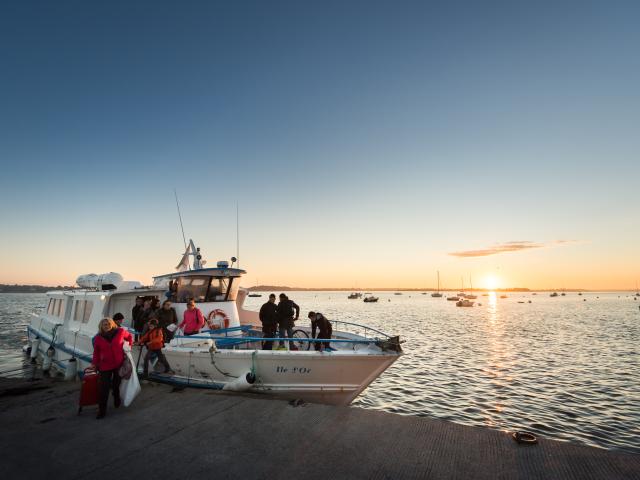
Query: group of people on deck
{"x":279,"y":319}
{"x":155,"y":326}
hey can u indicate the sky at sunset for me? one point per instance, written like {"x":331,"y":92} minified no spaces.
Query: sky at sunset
{"x":367,"y":144}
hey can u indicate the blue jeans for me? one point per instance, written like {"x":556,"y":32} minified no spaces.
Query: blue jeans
{"x":289,"y":332}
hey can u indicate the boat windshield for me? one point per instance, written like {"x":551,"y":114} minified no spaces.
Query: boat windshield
{"x":207,"y":289}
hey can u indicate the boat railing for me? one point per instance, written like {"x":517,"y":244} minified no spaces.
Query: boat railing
{"x":350,"y":327}
{"x":246,"y":342}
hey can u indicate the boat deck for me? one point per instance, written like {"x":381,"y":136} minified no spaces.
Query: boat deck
{"x":197,"y":434}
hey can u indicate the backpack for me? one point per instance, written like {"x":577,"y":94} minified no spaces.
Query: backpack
{"x":286,"y":310}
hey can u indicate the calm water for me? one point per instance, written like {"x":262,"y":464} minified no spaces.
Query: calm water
{"x":561,"y":367}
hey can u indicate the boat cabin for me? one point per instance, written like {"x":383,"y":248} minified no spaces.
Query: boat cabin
{"x":204,"y":285}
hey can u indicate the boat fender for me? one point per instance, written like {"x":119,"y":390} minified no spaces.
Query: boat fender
{"x":242,"y":383}
{"x":72,"y":369}
{"x":214,"y":323}
{"x":525,"y":438}
{"x":35,"y":343}
{"x":48,"y":358}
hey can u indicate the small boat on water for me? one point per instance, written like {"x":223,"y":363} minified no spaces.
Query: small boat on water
{"x":453,"y":299}
{"x":554,"y":294}
{"x":370,"y":299}
{"x":503,"y":296}
{"x":464,"y":303}
{"x":354,"y":296}
{"x":254,"y":295}
{"x":398,"y":293}
{"x":470,"y":296}
{"x":437,"y":293}
{"x":227,"y":352}
{"x":563,"y":294}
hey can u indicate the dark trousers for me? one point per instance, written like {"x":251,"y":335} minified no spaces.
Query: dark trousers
{"x":161,"y":358}
{"x":109,"y":380}
{"x":287,"y":328}
{"x":268,"y":331}
{"x":323,"y":334}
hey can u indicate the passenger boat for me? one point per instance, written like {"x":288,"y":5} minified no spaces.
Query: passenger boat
{"x":227,"y":353}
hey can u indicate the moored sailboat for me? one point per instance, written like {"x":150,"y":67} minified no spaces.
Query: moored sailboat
{"x":437,"y":293}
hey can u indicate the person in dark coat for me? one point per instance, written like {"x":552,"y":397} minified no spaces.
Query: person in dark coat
{"x":136,"y":315}
{"x":269,"y":319}
{"x":167,"y":316}
{"x":287,"y":313}
{"x":320,"y":323}
{"x":151,"y":308}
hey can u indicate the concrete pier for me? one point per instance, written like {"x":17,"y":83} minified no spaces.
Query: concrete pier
{"x":201,"y":434}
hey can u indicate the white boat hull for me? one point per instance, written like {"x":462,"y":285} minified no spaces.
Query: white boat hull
{"x":335,"y":378}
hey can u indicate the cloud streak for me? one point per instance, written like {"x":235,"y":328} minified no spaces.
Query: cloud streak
{"x":507,"y":247}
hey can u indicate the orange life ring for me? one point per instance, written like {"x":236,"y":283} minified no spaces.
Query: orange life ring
{"x":215,"y":325}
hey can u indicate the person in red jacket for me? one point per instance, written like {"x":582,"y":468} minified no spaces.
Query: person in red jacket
{"x":108,"y":355}
{"x":154,"y":341}
{"x":193,"y":319}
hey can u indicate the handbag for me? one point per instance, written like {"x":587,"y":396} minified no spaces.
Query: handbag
{"x":125,"y":369}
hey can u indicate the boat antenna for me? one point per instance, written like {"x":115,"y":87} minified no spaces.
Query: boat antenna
{"x":184,"y":240}
{"x":238,"y":233}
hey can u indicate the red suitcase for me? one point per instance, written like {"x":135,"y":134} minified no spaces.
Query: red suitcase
{"x":89,"y":389}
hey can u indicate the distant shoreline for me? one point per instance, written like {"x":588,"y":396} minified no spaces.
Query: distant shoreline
{"x":31,"y":288}
{"x":270,"y":288}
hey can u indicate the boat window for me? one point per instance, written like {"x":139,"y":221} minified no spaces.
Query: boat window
{"x":79,"y":310}
{"x":192,"y":287}
{"x":88,"y":306}
{"x":221,"y":289}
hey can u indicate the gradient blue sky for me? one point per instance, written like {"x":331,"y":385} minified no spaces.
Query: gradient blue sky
{"x":364,"y":141}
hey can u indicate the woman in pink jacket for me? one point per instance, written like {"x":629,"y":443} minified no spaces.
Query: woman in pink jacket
{"x":193,"y":319}
{"x":108,"y":355}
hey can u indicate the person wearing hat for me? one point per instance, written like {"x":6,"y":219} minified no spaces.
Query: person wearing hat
{"x":154,"y":342}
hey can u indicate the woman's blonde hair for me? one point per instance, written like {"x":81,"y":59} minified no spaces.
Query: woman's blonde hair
{"x":106,"y":325}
